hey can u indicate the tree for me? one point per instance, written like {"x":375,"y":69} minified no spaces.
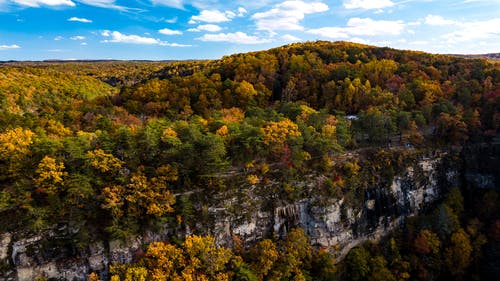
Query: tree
{"x":202,"y":256}
{"x":379,"y":270}
{"x":323,"y":267}
{"x":103,"y":162}
{"x":379,"y":71}
{"x":276,"y":134}
{"x":427,"y":242}
{"x":150,"y":194}
{"x":93,"y":277}
{"x":451,"y":128}
{"x":246,"y":93}
{"x":141,"y":197}
{"x":357,"y":263}
{"x":413,"y":135}
{"x":457,"y":256}
{"x":376,"y":123}
{"x":297,"y":254}
{"x":263,"y":255}
{"x":50,"y":176}
{"x":198,"y":258}
{"x":164,"y":261}
{"x":232,"y":115}
{"x":15,"y":143}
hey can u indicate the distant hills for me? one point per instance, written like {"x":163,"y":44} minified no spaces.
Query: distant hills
{"x":490,"y":56}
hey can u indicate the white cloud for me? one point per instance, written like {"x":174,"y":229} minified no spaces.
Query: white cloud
{"x":54,"y":3}
{"x":110,"y":4}
{"x":361,"y":27}
{"x":166,"y":31}
{"x":79,"y":37}
{"x":8,"y":47}
{"x":230,"y":14}
{"x":172,"y":20}
{"x":476,"y":30}
{"x":84,"y":44}
{"x":58,"y":38}
{"x":38,"y":3}
{"x":367,"y":4}
{"x":287,"y":15}
{"x":438,"y":20}
{"x":242,"y":12}
{"x":419,"y":42}
{"x":206,"y":27}
{"x":331,"y":32}
{"x":414,"y":23}
{"x":212,"y":16}
{"x":117,"y":37}
{"x":178,"y":45}
{"x":359,"y":40}
{"x":237,"y":37}
{"x":170,"y":3}
{"x":84,"y":20}
{"x":290,"y":38}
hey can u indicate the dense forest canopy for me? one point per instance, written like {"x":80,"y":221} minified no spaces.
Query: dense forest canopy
{"x":114,"y":148}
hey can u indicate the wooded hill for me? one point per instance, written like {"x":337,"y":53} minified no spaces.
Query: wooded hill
{"x":103,"y":146}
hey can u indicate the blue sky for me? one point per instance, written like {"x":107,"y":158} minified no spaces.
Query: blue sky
{"x":209,"y":29}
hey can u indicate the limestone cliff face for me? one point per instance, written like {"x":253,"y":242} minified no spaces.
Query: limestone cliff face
{"x":337,"y":224}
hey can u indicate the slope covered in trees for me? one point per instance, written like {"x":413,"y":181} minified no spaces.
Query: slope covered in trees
{"x":112,"y":160}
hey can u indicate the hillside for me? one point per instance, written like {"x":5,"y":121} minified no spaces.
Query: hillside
{"x":288,"y":157}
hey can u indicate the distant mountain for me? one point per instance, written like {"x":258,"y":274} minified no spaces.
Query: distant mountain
{"x":490,"y":56}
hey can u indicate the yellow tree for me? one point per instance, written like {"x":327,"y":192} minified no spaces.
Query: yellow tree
{"x":93,"y":277}
{"x":149,"y":195}
{"x":103,"y":162}
{"x":277,"y":133}
{"x":232,"y":115}
{"x":50,"y":175}
{"x":142,"y":195}
{"x":15,"y":143}
{"x":113,"y":200}
{"x":264,"y":254}
{"x":198,"y":258}
{"x":170,"y":137}
{"x":246,"y":93}
{"x":204,"y":260}
{"x":223,"y":132}
{"x":56,"y":129}
{"x":164,"y":261}
{"x":14,"y":149}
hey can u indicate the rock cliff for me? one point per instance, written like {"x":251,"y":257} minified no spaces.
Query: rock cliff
{"x":337,"y":224}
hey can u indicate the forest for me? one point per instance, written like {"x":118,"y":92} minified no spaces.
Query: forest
{"x":114,"y":148}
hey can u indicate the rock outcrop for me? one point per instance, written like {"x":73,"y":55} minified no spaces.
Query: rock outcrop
{"x":335,"y":224}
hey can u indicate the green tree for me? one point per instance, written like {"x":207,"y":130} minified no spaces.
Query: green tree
{"x":358,"y":264}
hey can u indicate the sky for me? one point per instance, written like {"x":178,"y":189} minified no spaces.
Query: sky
{"x":210,"y":29}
